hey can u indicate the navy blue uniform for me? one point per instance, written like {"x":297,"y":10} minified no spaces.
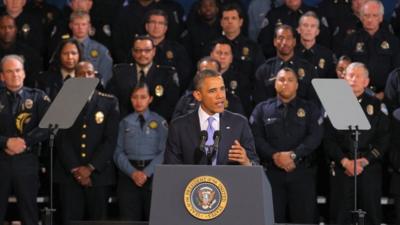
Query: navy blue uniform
{"x":20,"y":172}
{"x":264,"y":86}
{"x":139,"y":148}
{"x":380,"y":53}
{"x":295,"y":126}
{"x":162,"y":82}
{"x":372,"y":146}
{"x":91,"y":140}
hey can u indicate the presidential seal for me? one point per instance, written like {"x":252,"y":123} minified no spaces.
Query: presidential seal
{"x":205,"y":197}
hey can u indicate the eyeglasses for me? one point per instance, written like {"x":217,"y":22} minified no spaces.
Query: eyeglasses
{"x":152,"y":22}
{"x":144,"y":50}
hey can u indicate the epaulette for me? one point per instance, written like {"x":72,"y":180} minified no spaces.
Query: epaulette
{"x":105,"y":95}
{"x":172,"y":68}
{"x":121,"y":65}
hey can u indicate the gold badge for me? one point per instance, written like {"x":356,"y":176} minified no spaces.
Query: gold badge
{"x":233,"y":84}
{"x":65,"y":36}
{"x":360,"y":47}
{"x":321,"y":63}
{"x":169,"y":55}
{"x":278,"y":23}
{"x":301,"y":113}
{"x":94,"y":53}
{"x":153,"y":124}
{"x":22,"y":119}
{"x":99,"y":117}
{"x":245,"y":51}
{"x":301,"y":73}
{"x":159,"y":90}
{"x":385,"y":45}
{"x":370,"y":110}
{"x":26,"y":28}
{"x":28,"y":103}
{"x":226,"y":103}
{"x":205,"y":197}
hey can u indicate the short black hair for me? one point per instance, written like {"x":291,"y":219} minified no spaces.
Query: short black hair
{"x":142,"y":38}
{"x":232,"y":7}
{"x":284,"y":27}
{"x":290,"y":70}
{"x":201,"y":75}
{"x":220,"y":41}
{"x":141,"y":85}
{"x":156,"y":12}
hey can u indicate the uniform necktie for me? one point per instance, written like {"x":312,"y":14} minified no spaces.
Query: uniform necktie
{"x":285,"y":110}
{"x":142,"y":78}
{"x":141,"y":121}
{"x":14,"y":103}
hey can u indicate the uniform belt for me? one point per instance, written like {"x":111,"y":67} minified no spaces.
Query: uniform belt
{"x":140,"y":164}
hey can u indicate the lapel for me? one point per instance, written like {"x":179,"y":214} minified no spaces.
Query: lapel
{"x":193,"y":127}
{"x":224,"y":145}
{"x":91,"y":105}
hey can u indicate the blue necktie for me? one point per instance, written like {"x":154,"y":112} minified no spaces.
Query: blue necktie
{"x":210,"y":131}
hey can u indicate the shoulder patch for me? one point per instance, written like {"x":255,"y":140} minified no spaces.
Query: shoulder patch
{"x":165,"y":124}
{"x":384,"y":109}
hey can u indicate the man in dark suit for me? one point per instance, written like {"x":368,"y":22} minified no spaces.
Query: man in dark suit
{"x":84,"y":167}
{"x":236,"y":144}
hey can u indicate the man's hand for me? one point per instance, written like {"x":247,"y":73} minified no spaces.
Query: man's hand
{"x":238,"y":154}
{"x":15,"y":145}
{"x":82,"y":172}
{"x":284,"y":161}
{"x":139,"y":177}
{"x":348,"y":165}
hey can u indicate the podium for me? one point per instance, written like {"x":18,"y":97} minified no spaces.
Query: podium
{"x":199,"y":194}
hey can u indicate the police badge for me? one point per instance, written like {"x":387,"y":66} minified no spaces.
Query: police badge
{"x":94,"y":53}
{"x":301,"y":113}
{"x":370,"y":110}
{"x":321,"y":63}
{"x":233,"y":84}
{"x":301,"y":73}
{"x":385,"y":45}
{"x":205,"y":197}
{"x":159,"y":90}
{"x":99,"y":117}
{"x":169,"y":54}
{"x":26,"y":29}
{"x":360,"y":47}
{"x":153,"y":124}
{"x":28,"y":103}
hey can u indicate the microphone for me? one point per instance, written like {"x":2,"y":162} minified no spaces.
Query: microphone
{"x":214,"y":148}
{"x":200,"y":152}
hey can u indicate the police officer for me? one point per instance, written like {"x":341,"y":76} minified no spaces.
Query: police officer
{"x":394,"y":159}
{"x":187,"y":103}
{"x":141,"y":144}
{"x":168,"y":52}
{"x":317,"y":55}
{"x":202,"y":30}
{"x":342,"y":63}
{"x":287,"y":130}
{"x":247,"y":56}
{"x":162,"y":80}
{"x":371,"y":146}
{"x":289,"y":13}
{"x":236,"y":83}
{"x":10,"y":45}
{"x":131,"y":19}
{"x":284,"y":42}
{"x":30,"y":28}
{"x":374,"y":45}
{"x":92,"y":50}
{"x":21,"y":110}
{"x":84,"y":167}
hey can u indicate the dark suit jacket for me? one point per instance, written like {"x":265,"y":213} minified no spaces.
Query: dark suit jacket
{"x":91,"y":139}
{"x":184,"y":138}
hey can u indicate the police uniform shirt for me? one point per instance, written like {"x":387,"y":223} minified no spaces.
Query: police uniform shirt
{"x":30,"y":107}
{"x":380,"y":53}
{"x":247,"y":56}
{"x":264,"y":85}
{"x":295,"y":126}
{"x":320,"y":57}
{"x":372,"y":143}
{"x":284,"y":15}
{"x":130,"y":23}
{"x":172,"y":54}
{"x":137,"y":143}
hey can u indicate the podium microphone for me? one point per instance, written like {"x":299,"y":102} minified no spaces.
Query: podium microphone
{"x":214,"y":148}
{"x":201,"y":152}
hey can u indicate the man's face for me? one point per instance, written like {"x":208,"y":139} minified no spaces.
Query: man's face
{"x":341,"y":68}
{"x":208,"y":65}
{"x":14,"y":6}
{"x":284,"y":42}
{"x":141,"y":100}
{"x":286,"y":84}
{"x":308,"y":28}
{"x":85,"y":70}
{"x":157,"y":26}
{"x":231,"y":22}
{"x":143,"y":52}
{"x":208,"y":9}
{"x":371,"y":16}
{"x":356,"y":79}
{"x":13,"y":74}
{"x":80,"y":27}
{"x":69,"y":56}
{"x":8,"y":30}
{"x":211,"y":95}
{"x":223,"y":54}
{"x":81,"y":5}
{"x":293,"y":4}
